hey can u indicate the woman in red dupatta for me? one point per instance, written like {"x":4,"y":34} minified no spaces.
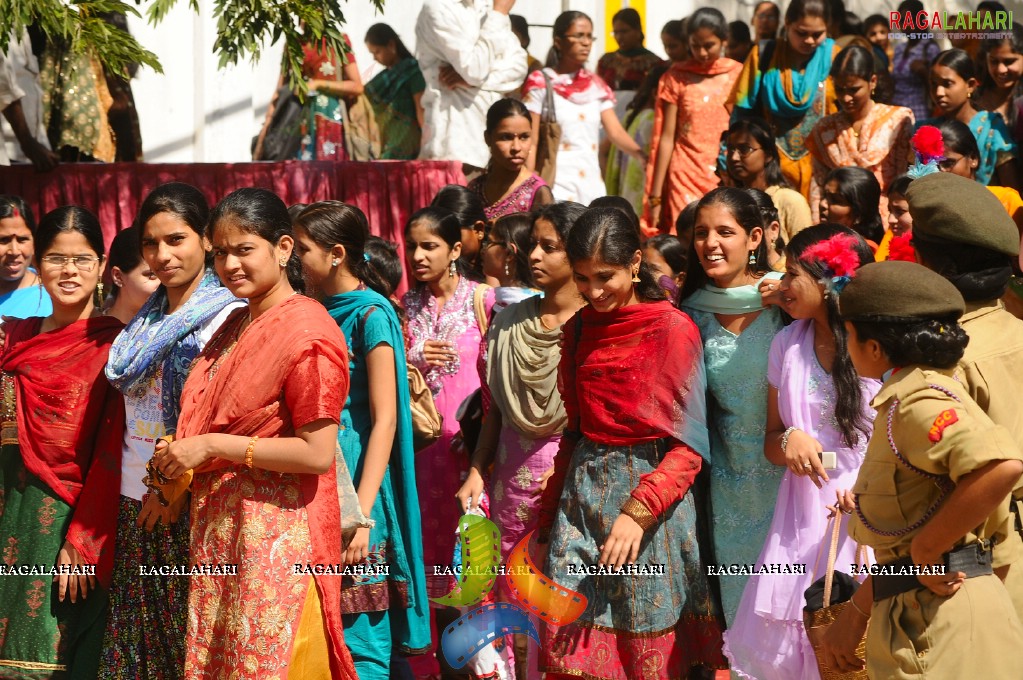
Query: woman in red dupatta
{"x":257,"y":437}
{"x":59,"y":463}
{"x":632,"y":379}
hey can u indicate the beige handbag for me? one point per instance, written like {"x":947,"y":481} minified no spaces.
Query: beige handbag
{"x":817,"y":623}
{"x":426,"y":420}
{"x":550,"y":137}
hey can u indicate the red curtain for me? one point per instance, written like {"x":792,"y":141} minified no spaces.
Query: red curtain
{"x":387,"y":191}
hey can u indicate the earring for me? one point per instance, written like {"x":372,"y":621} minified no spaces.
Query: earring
{"x":99,"y":293}
{"x":635,"y":275}
{"x":752,"y":258}
{"x":507,"y":271}
{"x":452,"y":270}
{"x":335,"y":262}
{"x":283,"y":262}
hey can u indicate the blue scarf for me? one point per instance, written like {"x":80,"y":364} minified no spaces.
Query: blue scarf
{"x":154,"y":339}
{"x":411,"y":626}
{"x":804,"y":84}
{"x":738,"y":300}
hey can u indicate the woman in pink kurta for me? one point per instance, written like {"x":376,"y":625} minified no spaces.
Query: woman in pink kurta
{"x":863,"y":133}
{"x":692,"y":117}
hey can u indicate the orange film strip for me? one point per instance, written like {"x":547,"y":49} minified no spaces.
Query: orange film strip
{"x":538,"y":594}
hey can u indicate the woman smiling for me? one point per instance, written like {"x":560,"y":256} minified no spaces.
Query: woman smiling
{"x":21,"y":293}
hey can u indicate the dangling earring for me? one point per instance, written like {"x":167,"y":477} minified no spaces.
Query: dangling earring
{"x":507,"y":271}
{"x":635,"y":275}
{"x":452,"y":270}
{"x":752,"y":258}
{"x":99,"y":293}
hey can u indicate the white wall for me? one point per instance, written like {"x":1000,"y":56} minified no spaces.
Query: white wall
{"x":197,"y":113}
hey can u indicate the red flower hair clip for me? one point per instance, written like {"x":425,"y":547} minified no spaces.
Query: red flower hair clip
{"x":838,"y":255}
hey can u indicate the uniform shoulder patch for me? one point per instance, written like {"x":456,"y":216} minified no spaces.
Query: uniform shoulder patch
{"x":945,"y":419}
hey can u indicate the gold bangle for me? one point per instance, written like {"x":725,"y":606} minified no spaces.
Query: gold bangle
{"x":249,"y":451}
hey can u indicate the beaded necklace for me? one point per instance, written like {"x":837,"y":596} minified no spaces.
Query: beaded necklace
{"x":943,"y":483}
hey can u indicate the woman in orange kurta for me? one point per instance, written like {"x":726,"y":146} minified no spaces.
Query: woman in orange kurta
{"x":690,"y":119}
{"x":864,"y":133}
{"x":258,"y":437}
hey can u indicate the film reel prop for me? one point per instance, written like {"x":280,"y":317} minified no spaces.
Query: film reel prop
{"x":481,"y":557}
{"x":539,"y":595}
{"x":480,"y":627}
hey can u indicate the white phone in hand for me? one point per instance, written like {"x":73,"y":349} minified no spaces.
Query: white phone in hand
{"x":829,"y":459}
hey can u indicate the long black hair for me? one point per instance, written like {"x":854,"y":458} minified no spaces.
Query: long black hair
{"x":939,"y":342}
{"x":746,"y":213}
{"x":467,"y":207}
{"x":561,"y":26}
{"x":607,"y":233}
{"x":182,"y":200}
{"x":15,"y":206}
{"x":562,"y":215}
{"x":848,"y":392}
{"x":758,"y":129}
{"x":957,"y":137}
{"x":671,"y":249}
{"x":861,"y":190}
{"x":64,"y":220}
{"x":381,"y":34}
{"x":331,"y":223}
{"x":264,"y":214}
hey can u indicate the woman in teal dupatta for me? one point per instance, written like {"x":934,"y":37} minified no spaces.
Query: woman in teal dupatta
{"x":381,"y":609}
{"x":395,"y":94}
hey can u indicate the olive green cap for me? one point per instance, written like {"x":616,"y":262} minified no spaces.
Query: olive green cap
{"x":961,"y":210}
{"x":899,"y":289}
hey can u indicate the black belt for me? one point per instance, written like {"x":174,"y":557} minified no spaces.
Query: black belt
{"x":973,"y":560}
{"x":1014,"y":507}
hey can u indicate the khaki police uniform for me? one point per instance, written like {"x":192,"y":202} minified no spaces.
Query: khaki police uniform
{"x":992,"y":372}
{"x":975,"y":633}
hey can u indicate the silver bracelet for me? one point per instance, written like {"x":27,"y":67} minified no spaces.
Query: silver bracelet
{"x":785,"y":438}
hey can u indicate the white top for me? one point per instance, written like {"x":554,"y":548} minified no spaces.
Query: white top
{"x":578,"y":176}
{"x":144,"y":418}
{"x":9,"y":93}
{"x":479,"y":44}
{"x":26,"y":74}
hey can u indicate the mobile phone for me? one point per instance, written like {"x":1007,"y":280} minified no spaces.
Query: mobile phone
{"x":829,"y":459}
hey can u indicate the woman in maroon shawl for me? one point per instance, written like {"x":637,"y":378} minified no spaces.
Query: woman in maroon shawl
{"x":632,"y":379}
{"x":257,"y":438}
{"x":59,"y":462}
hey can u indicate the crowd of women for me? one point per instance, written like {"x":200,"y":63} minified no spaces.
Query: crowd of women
{"x":188,"y":463}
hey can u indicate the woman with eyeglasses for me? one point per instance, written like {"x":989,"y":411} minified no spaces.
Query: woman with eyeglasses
{"x":59,"y":460}
{"x":21,"y":291}
{"x":786,"y":82}
{"x":583,"y":103}
{"x":753,"y":163}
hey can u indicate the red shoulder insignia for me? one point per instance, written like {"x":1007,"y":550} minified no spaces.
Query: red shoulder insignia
{"x":944,"y":419}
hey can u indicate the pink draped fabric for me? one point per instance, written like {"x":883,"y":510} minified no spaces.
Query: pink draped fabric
{"x":387,"y":191}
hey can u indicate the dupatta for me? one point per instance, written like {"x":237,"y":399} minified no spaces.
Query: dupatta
{"x":157,"y":341}
{"x":349,"y":311}
{"x":581,"y":87}
{"x":70,"y":424}
{"x":635,"y":375}
{"x":237,"y":386}
{"x":783,"y":89}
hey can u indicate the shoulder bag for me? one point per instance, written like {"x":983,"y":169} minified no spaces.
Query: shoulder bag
{"x":549,"y":137}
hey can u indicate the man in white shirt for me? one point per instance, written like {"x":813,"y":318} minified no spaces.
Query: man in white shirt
{"x":11,"y":95}
{"x":470,"y":59}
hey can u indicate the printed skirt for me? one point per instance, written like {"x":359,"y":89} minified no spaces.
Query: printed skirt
{"x":145,"y":633}
{"x":655,"y":625}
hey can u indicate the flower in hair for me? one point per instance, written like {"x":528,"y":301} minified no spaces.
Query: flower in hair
{"x":838,"y":255}
{"x":901,"y":248}
{"x":930,"y":148}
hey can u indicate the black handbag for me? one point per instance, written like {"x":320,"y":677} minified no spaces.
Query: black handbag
{"x":284,"y":134}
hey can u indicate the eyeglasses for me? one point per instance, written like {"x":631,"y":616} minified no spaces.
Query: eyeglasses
{"x":487,"y":242}
{"x":743,"y":149}
{"x":582,"y":38}
{"x":83,"y":263}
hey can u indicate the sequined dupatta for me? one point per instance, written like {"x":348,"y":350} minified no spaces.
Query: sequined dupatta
{"x":68,"y":423}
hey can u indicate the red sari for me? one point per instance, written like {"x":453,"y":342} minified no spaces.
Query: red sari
{"x":289,"y":368}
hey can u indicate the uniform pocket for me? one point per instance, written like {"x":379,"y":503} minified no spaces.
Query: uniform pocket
{"x":879,"y":495}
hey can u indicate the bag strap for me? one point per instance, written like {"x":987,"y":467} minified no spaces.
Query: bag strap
{"x":479,"y":306}
{"x":834,"y":527}
{"x":547,"y":114}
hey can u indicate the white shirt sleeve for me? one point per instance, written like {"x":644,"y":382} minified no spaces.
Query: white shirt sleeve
{"x":482,"y":54}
